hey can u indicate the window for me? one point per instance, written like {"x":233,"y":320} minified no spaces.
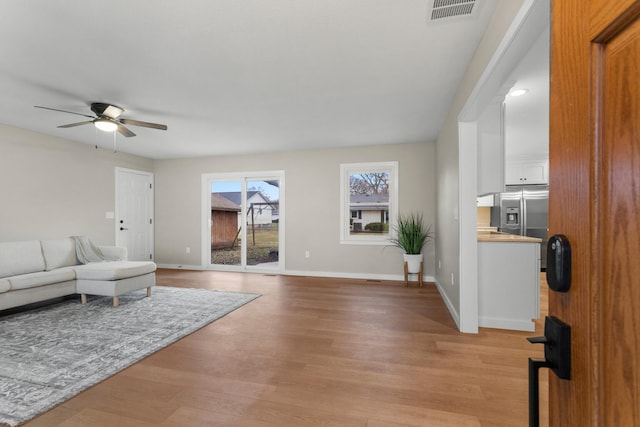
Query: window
{"x":368,"y":199}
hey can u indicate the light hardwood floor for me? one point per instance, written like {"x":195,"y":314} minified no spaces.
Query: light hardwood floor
{"x":318,"y":352}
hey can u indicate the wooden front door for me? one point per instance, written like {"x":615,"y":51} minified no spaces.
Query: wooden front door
{"x":595,"y":201}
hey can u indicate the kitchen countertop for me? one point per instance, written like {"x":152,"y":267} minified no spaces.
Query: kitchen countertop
{"x":485,"y":235}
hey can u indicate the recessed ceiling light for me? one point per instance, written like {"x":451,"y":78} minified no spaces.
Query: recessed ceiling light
{"x":518,"y":92}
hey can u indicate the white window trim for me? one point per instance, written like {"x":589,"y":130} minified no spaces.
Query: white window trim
{"x":346,"y":169}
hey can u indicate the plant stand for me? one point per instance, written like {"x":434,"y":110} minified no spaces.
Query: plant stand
{"x":406,"y":274}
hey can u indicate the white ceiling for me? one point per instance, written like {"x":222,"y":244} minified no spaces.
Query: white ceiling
{"x":235,"y":76}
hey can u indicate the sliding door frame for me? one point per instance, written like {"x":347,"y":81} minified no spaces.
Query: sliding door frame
{"x":205,"y":235}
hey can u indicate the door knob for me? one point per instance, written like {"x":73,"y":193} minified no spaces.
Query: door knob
{"x":122,"y":228}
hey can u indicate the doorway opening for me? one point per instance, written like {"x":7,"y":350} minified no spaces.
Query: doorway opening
{"x":482,"y":152}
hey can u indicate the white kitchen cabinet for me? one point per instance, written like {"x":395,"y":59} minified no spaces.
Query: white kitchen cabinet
{"x":508,"y":285}
{"x":527,"y":172}
{"x":485,"y":201}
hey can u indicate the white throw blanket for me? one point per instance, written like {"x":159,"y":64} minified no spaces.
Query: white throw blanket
{"x":88,"y":252}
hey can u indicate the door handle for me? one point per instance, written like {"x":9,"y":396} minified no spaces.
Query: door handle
{"x":557,"y":357}
{"x":534,"y":392}
{"x":122,"y":228}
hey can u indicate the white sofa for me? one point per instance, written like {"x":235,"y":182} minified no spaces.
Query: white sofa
{"x":38,"y":270}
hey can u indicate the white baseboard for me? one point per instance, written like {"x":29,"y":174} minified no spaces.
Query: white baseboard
{"x":180,"y":267}
{"x":511,"y":324}
{"x":343,"y":275}
{"x":452,"y":310}
{"x":336,"y":275}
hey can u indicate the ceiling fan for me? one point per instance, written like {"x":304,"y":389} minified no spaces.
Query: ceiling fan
{"x":106,"y":119}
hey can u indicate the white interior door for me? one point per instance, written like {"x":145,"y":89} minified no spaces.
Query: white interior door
{"x":134,"y":213}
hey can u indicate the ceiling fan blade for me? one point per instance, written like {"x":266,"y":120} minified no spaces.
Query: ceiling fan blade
{"x":124,"y":131}
{"x":64,"y":111}
{"x":143,"y":124}
{"x":75,"y":124}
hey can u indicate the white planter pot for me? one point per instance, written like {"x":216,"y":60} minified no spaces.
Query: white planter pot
{"x":413,"y":263}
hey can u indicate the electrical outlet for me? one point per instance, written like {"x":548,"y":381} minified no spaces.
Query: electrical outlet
{"x":439,"y":264}
{"x":188,"y":250}
{"x":452,"y":282}
{"x":307,"y":254}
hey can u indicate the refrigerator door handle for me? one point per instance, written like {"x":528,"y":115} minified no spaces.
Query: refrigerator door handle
{"x":523,"y":209}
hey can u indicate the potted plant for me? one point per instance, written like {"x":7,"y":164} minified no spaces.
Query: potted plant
{"x":411,"y":234}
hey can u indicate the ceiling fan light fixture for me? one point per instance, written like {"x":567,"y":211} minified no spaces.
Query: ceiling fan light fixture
{"x":105,"y":125}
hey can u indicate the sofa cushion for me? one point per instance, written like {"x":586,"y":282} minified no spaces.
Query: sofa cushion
{"x":20,"y":258}
{"x":4,"y":285}
{"x":41,"y":278}
{"x":113,"y":270}
{"x":59,"y":253}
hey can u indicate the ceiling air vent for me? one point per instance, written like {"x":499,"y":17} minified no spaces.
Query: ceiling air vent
{"x":444,"y":10}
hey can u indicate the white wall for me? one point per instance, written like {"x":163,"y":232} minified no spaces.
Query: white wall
{"x":312,"y":179}
{"x":448,"y":248}
{"x":527,"y":117}
{"x":53,"y":188}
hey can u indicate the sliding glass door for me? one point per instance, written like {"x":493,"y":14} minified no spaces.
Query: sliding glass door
{"x":226,"y":223}
{"x":244,"y":221}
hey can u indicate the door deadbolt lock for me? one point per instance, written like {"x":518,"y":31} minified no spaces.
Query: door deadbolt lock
{"x":559,"y":263}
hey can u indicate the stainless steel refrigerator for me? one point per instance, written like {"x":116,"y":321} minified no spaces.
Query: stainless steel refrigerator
{"x":523,"y":210}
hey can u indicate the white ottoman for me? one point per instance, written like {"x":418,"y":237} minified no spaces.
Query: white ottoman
{"x":113,"y":278}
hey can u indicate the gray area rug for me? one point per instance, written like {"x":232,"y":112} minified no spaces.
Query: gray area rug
{"x":50,"y":354}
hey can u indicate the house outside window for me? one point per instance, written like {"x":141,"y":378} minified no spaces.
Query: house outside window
{"x":368,"y":199}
